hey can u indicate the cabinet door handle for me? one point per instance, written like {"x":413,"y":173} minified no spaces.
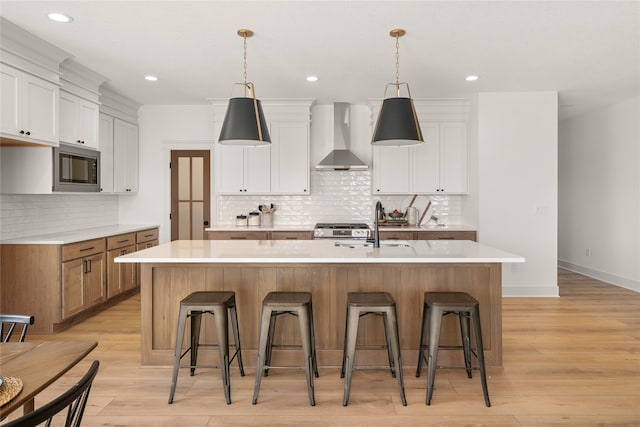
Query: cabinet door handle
{"x":446,"y":238}
{"x":88,"y":266}
{"x":151,"y":235}
{"x":28,"y":133}
{"x":237,"y":238}
{"x":291,"y":238}
{"x":149,"y":245}
{"x":85,"y":269}
{"x":123,"y":241}
{"x":21,"y":132}
{"x":87,"y":249}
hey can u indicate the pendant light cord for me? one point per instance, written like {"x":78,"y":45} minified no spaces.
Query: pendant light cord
{"x":397,"y":64}
{"x":244,"y":64}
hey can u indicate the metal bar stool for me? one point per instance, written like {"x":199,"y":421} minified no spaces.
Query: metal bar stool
{"x":220,"y":305}
{"x":436,"y":306}
{"x":361,"y":304}
{"x":296,"y":304}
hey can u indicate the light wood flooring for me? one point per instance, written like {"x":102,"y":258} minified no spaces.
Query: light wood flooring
{"x":573,"y":360}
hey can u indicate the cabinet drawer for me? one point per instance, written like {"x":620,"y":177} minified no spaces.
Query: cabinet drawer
{"x":121,"y":240}
{"x":238,"y":235}
{"x":291,"y":235}
{"x":396,"y":235}
{"x":446,"y":235}
{"x":147,"y":235}
{"x":146,"y":245}
{"x":82,"y":249}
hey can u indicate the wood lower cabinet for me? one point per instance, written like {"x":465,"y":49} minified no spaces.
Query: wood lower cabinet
{"x":146,"y":239}
{"x":61,"y":284}
{"x":291,"y":235}
{"x":238,"y":235}
{"x":84,"y":278}
{"x":121,"y":277}
{"x":427,"y":235}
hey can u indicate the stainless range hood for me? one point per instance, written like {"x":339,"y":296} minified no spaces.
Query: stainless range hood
{"x":341,"y":158}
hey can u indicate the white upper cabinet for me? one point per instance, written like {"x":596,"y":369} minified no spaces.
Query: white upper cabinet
{"x":78,"y":120}
{"x":29,"y":107}
{"x":280,"y":168}
{"x":118,"y":143}
{"x":437,"y":166}
{"x":105,"y":145}
{"x":289,"y":157}
{"x":125,"y":157}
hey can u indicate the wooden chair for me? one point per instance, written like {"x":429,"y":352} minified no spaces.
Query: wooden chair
{"x":10,"y":321}
{"x":74,"y":400}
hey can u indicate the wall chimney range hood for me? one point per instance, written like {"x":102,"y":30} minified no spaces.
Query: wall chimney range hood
{"x":341,"y":158}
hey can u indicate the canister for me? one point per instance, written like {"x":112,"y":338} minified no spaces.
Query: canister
{"x":254,"y":219}
{"x":241,"y":220}
{"x":412,"y":215}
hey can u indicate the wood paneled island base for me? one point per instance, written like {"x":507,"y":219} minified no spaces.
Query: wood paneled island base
{"x":164,"y":284}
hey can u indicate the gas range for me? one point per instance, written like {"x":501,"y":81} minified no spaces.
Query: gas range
{"x":343,"y":230}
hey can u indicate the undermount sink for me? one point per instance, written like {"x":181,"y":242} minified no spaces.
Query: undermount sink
{"x":366,"y":244}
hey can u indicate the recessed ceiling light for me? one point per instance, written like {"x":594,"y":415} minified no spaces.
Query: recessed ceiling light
{"x":312,"y":78}
{"x":59,"y":17}
{"x":471,"y":78}
{"x":151,"y":78}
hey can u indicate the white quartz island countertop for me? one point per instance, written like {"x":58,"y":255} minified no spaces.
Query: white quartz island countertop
{"x":320,"y":251}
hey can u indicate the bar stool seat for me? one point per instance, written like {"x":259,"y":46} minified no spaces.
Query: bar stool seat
{"x":220,"y":305}
{"x":298,"y":304}
{"x":361,"y":304}
{"x":436,"y":306}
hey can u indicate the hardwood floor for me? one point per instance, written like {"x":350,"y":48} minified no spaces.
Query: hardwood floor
{"x":573,"y":360}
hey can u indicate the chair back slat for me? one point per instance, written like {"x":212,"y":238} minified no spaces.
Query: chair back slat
{"x":73,"y":400}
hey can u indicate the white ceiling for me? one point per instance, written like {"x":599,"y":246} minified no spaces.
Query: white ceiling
{"x":589,"y":51}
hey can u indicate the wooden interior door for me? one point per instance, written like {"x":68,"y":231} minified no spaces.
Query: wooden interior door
{"x":190,"y":194}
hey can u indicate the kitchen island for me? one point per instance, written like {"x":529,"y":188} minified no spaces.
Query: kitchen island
{"x":252,"y":268}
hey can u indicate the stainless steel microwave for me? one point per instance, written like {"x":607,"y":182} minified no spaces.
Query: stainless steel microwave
{"x":76,"y":169}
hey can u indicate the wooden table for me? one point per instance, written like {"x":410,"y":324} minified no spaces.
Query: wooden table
{"x":38,"y":365}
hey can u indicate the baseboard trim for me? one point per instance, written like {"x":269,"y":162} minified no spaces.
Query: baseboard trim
{"x":540,"y":291}
{"x":633,"y":285}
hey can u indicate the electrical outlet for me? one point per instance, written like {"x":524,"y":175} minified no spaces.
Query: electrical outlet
{"x":588,"y":251}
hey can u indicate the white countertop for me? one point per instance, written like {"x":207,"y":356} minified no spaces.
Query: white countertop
{"x":383,"y":227}
{"x":318,"y":251}
{"x":65,"y":237}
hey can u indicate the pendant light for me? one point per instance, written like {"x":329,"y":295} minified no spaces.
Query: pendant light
{"x":397,"y":122}
{"x":244,"y":123}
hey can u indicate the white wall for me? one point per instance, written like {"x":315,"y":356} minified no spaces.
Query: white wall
{"x":518,"y":181}
{"x":599,"y":157}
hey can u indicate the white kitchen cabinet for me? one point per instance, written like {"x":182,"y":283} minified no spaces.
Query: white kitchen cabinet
{"x":437,"y":166}
{"x":105,"y":145}
{"x":29,"y":107}
{"x":391,"y":170}
{"x":289,"y":157}
{"x":78,"y":120}
{"x":243,"y":170}
{"x":280,"y":168}
{"x":125,"y":157}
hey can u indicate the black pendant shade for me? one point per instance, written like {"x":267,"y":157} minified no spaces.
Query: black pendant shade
{"x":397,"y":123}
{"x":244,"y":124}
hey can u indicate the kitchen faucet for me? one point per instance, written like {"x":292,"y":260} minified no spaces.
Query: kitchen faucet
{"x":376,"y":233}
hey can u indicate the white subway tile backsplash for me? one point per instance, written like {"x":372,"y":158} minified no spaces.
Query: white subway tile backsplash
{"x":30,"y":215}
{"x":336,"y":196}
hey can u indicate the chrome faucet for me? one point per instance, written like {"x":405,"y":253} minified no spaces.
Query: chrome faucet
{"x":376,"y":233}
